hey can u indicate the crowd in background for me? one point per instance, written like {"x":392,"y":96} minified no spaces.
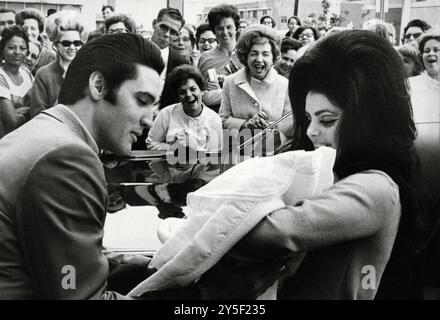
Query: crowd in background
{"x":32,"y":42}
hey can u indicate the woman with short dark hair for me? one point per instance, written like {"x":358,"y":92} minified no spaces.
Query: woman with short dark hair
{"x":289,"y":48}
{"x":268,"y":21}
{"x":205,"y":38}
{"x":189,"y":122}
{"x":120,"y":23}
{"x":292,"y":24}
{"x":221,"y":61}
{"x":32,"y":20}
{"x":184,"y":44}
{"x":307,"y":35}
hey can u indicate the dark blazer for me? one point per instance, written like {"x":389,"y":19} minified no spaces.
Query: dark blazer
{"x":53,"y":201}
{"x":174,"y":60}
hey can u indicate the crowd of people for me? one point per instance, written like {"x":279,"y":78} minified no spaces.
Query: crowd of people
{"x":66,"y":93}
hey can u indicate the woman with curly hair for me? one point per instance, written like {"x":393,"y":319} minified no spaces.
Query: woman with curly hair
{"x":32,"y":20}
{"x":360,"y":236}
{"x":68,"y":33}
{"x":256,"y":95}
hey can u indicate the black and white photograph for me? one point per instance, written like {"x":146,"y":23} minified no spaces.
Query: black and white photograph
{"x":219,"y":157}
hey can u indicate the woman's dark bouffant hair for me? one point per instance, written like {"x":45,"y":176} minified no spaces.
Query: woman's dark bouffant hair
{"x":362,"y":73}
{"x":9,"y":33}
{"x":120,"y":17}
{"x":300,"y":29}
{"x":179,"y":76}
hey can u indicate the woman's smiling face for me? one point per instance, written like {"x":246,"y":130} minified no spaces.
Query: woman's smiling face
{"x":431,"y":57}
{"x":190,"y":95}
{"x":260,"y":59}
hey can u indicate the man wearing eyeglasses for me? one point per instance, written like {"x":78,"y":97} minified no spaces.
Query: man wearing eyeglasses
{"x":413,"y":30}
{"x":166,"y":28}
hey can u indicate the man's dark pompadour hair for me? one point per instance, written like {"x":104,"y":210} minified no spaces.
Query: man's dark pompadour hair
{"x":115,"y":56}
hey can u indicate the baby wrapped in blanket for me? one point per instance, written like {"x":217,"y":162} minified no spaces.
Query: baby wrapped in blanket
{"x":226,"y":209}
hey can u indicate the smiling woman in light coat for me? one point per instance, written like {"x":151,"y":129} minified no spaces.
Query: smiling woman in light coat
{"x":256,"y":95}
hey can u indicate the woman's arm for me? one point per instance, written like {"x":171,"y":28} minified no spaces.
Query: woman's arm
{"x":158,"y":132}
{"x":9,"y":116}
{"x":287,"y":126}
{"x":356,"y":207}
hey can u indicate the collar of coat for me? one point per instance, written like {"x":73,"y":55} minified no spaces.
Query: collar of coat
{"x":241,"y":80}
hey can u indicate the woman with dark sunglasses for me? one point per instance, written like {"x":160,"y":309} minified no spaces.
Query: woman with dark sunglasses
{"x":413,"y":30}
{"x":205,"y":38}
{"x":67,"y":32}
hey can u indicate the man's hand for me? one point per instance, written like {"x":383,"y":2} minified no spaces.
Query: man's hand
{"x":258,"y":121}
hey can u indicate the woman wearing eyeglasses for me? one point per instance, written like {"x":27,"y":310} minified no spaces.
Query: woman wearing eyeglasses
{"x":205,"y":38}
{"x":32,"y":20}
{"x":184,"y":44}
{"x":67,"y":32}
{"x":306,"y":35}
{"x":120,"y":23}
{"x":222,"y":61}
{"x":413,"y":30}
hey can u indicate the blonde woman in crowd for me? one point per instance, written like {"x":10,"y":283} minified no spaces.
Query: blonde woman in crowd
{"x":67,"y":32}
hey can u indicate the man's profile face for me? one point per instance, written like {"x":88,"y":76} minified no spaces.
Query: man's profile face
{"x":120,"y":125}
{"x":7,"y":19}
{"x":165,"y":30}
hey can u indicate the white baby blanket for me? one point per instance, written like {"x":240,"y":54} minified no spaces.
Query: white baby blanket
{"x":226,"y":209}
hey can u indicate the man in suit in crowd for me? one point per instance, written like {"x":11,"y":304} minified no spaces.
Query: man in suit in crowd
{"x":166,"y":27}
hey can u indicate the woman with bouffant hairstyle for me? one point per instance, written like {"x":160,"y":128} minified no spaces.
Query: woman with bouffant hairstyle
{"x":67,"y":32}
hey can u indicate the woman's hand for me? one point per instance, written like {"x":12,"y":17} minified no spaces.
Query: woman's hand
{"x":258,"y":121}
{"x":184,"y":139}
{"x":22,"y":115}
{"x":211,"y":85}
